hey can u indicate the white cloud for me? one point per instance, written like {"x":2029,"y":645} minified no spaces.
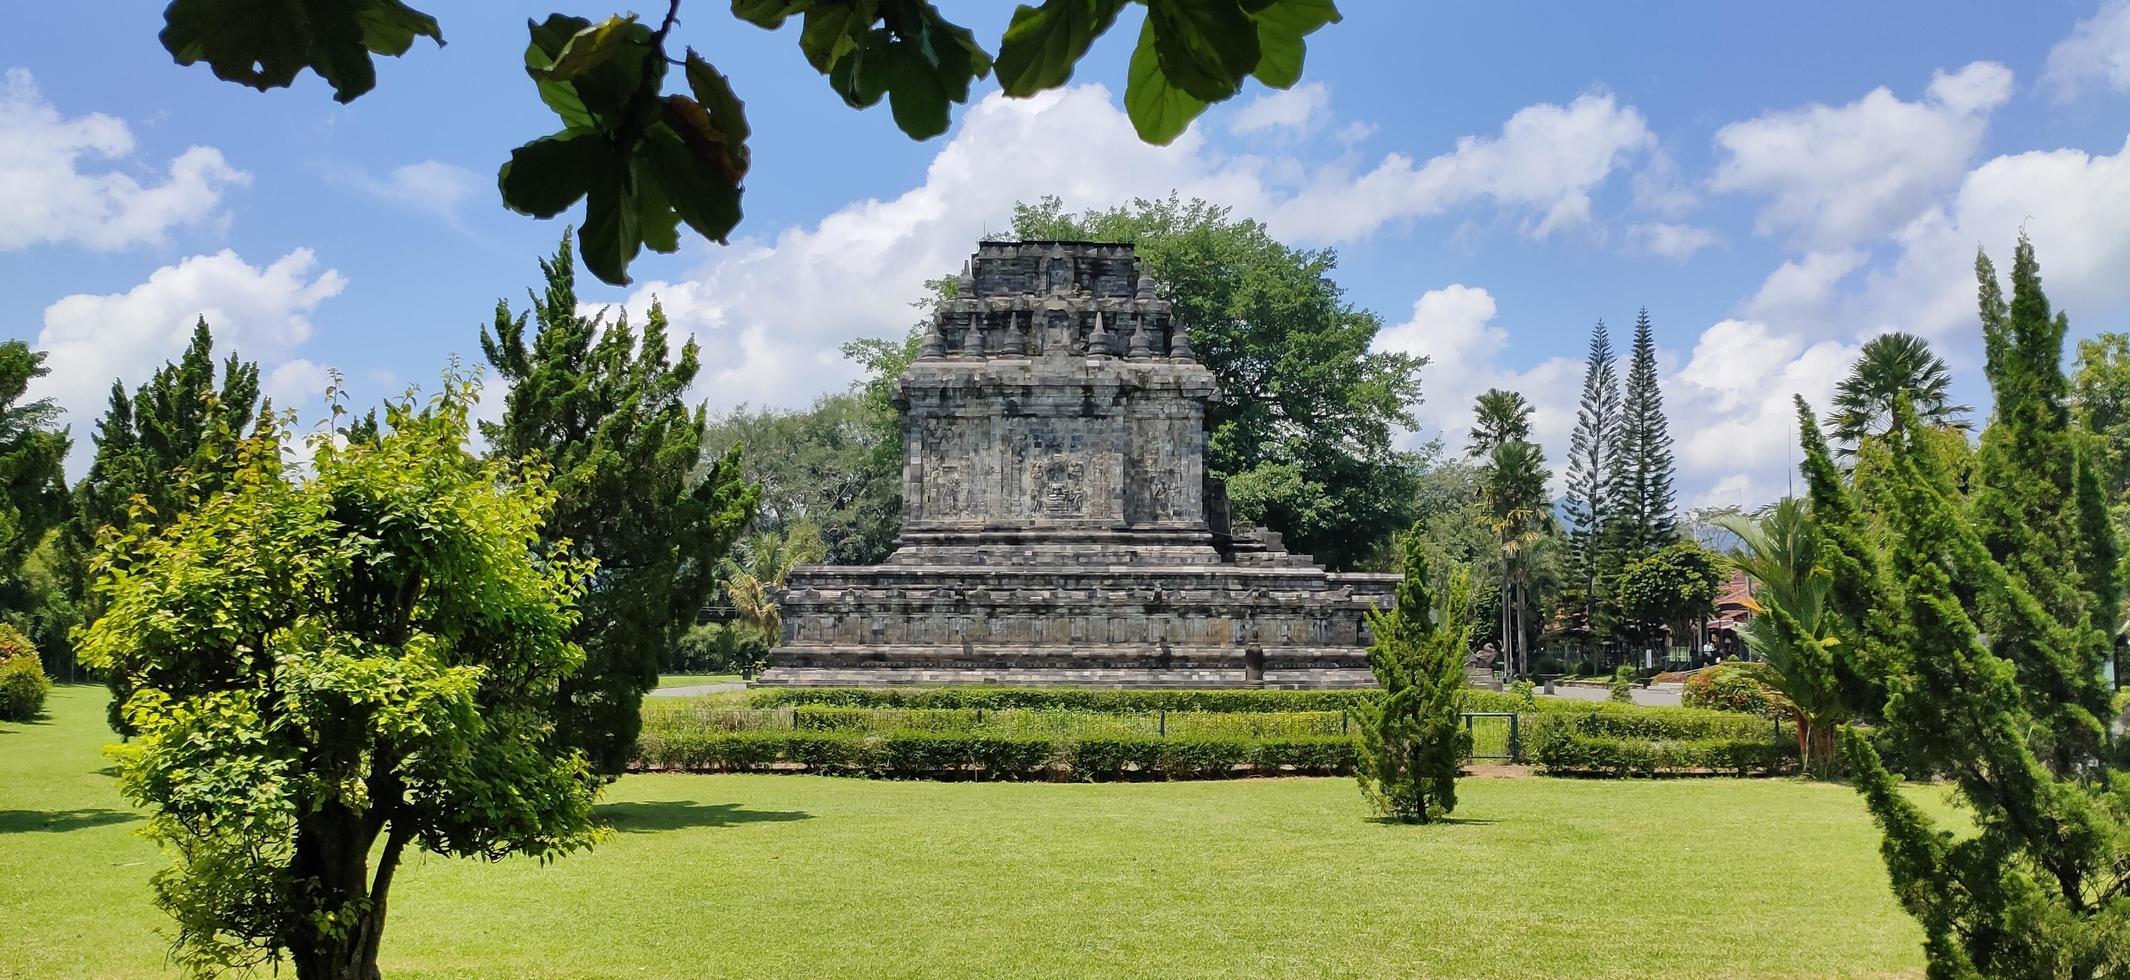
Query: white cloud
{"x":1803,"y":285}
{"x":293,"y":382}
{"x":2097,"y":52}
{"x":2074,"y":205}
{"x":1834,"y":175}
{"x":771,"y":314}
{"x":1736,"y":389}
{"x":263,"y":313}
{"x":1672,"y":241}
{"x":47,"y":196}
{"x":431,"y":186}
{"x":1453,"y":327}
{"x":1296,"y":110}
{"x":1546,"y":162}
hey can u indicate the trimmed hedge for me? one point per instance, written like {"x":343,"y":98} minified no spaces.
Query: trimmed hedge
{"x":1075,"y":699}
{"x":1244,"y":700}
{"x":928,"y":755}
{"x":1625,"y":741}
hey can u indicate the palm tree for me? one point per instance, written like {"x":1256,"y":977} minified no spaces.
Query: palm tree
{"x":1791,"y":629}
{"x":1889,"y":364}
{"x":1498,"y":417}
{"x":1514,"y":483}
{"x":765,"y":562}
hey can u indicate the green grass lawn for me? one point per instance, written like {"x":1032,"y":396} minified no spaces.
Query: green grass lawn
{"x":815,"y":876}
{"x":695,"y":680}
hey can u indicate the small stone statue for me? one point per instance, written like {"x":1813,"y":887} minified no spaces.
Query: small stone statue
{"x":1180,"y":341}
{"x":1142,"y":342}
{"x":972,"y":339}
{"x":934,"y":346}
{"x":1014,"y":345}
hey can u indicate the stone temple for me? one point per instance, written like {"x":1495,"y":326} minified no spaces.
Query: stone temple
{"x":1058,"y":523}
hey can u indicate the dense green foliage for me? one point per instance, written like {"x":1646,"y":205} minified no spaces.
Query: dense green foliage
{"x":1410,"y":745}
{"x":1888,"y":367}
{"x":919,"y":754}
{"x":328,"y":668}
{"x":23,"y":686}
{"x":1988,"y":628}
{"x":599,"y":406}
{"x":1673,"y":586}
{"x":32,"y":487}
{"x":1625,"y":741}
{"x":647,"y":161}
{"x":159,"y":452}
{"x":836,"y":467}
{"x":1303,"y":432}
{"x":734,"y":875}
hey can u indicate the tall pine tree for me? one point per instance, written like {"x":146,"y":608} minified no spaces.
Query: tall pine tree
{"x":603,"y":408}
{"x":1591,"y":491}
{"x":33,"y":495}
{"x":1647,"y":507}
{"x":1987,"y":628}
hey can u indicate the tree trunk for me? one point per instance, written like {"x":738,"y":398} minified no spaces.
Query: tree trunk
{"x":332,"y":851}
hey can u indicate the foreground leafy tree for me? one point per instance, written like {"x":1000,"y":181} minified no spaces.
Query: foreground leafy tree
{"x":601,"y":407}
{"x":647,"y":161}
{"x":33,"y":497}
{"x":1890,"y":365}
{"x":1989,"y":638}
{"x":1410,"y":745}
{"x":329,"y":669}
{"x":1304,"y":430}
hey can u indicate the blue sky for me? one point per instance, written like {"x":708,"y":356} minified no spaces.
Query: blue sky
{"x":1775,"y":182}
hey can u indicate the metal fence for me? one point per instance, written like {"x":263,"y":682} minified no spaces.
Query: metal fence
{"x":1495,"y":736}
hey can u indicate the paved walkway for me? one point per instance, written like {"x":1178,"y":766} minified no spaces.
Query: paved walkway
{"x":1662,"y":695}
{"x":682,"y":692}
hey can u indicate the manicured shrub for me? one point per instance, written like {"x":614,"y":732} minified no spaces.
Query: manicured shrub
{"x":23,"y":686}
{"x":1740,"y":687}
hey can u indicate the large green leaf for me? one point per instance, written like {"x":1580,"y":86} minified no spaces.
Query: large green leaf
{"x":1205,"y":47}
{"x":546,"y":176}
{"x":709,"y":205}
{"x":592,"y":47}
{"x":829,"y":32}
{"x":768,"y":14}
{"x":724,"y":108}
{"x":266,"y":45}
{"x":1158,"y":110}
{"x":1042,"y":44}
{"x":1281,"y":26}
{"x":658,"y":223}
{"x":612,"y":232}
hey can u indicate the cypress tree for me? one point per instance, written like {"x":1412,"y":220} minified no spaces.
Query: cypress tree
{"x":1592,"y":450}
{"x":1410,"y":746}
{"x":1987,"y":629}
{"x":1647,"y":505}
{"x":602,"y":408}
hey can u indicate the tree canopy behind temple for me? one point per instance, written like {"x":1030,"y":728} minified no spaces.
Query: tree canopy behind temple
{"x":602,"y":407}
{"x":1303,"y":428}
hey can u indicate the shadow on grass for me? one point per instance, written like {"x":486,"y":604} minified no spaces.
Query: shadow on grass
{"x":1437,"y":822}
{"x":59,"y":821}
{"x":645,"y":818}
